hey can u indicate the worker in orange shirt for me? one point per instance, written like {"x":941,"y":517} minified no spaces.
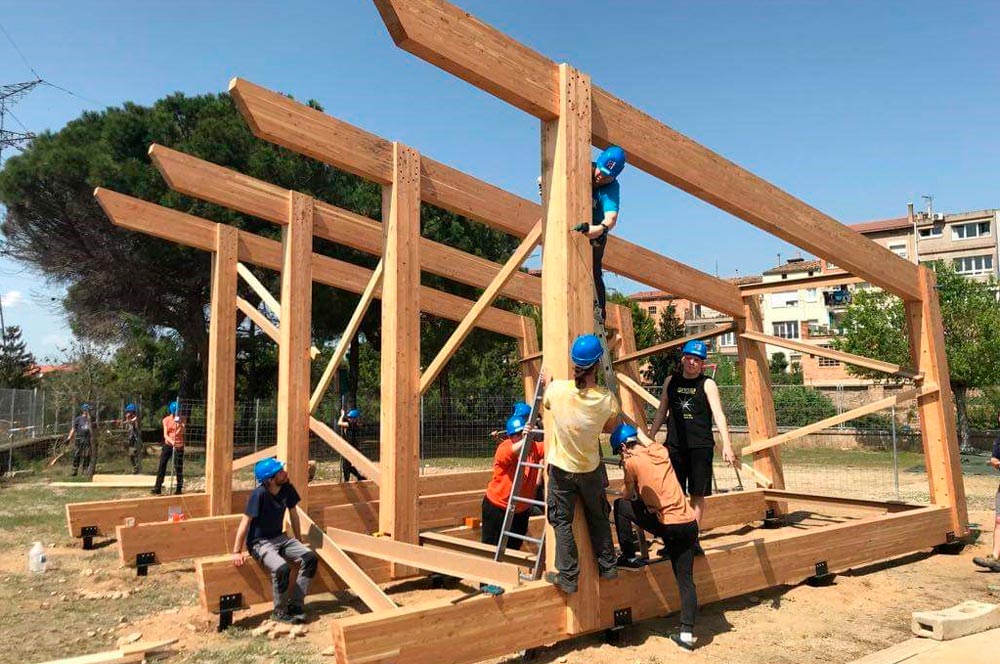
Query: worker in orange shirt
{"x":502,"y":483}
{"x":173,"y":446}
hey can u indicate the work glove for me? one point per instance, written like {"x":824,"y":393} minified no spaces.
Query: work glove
{"x":582,"y":227}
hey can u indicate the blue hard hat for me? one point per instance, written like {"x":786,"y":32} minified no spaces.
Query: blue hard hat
{"x":522,"y":409}
{"x":354,"y":413}
{"x":696,"y":348}
{"x":515,"y":424}
{"x":172,"y":407}
{"x":130,"y":408}
{"x":623,"y":433}
{"x":265,"y":469}
{"x":586,"y":351}
{"x":611,"y":161}
{"x":85,"y":406}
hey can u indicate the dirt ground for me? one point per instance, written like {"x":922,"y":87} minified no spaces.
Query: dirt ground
{"x":77,"y":606}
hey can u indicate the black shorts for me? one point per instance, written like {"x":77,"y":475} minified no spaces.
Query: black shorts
{"x":694,"y":469}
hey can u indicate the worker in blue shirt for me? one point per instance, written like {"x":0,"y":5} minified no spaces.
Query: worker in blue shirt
{"x":605,"y":206}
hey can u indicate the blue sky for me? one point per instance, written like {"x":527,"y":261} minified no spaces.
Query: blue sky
{"x":855,"y":107}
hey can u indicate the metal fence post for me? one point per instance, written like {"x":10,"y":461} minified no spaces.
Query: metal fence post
{"x":10,"y":437}
{"x":895,"y":454}
{"x":256,"y":422}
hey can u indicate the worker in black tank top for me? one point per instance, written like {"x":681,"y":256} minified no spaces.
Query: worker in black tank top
{"x":690,"y":423}
{"x":692,"y":402}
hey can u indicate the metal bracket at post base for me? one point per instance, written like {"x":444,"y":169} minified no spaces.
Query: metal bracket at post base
{"x":228,"y":604}
{"x":143,"y":561}
{"x":823,"y":576}
{"x":88,"y":533}
{"x":772,"y":520}
{"x":623,"y":618}
{"x":952,"y":546}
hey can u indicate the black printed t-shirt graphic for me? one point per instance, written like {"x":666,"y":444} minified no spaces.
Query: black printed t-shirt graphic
{"x":82,"y":425}
{"x":267,"y":511}
{"x":690,"y":424}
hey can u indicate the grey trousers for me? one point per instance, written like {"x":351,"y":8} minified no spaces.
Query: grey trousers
{"x":564,"y":489}
{"x":275,"y":555}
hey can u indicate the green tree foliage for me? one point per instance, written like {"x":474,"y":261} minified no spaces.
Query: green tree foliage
{"x":797,"y":406}
{"x":18,"y":369}
{"x":660,"y":366}
{"x":118,"y":280}
{"x":875,"y":324}
{"x":783,"y":373}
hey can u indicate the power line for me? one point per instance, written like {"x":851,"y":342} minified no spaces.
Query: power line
{"x":14,"y":44}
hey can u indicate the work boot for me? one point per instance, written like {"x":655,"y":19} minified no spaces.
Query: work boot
{"x":989,"y":562}
{"x":635,"y":562}
{"x":177,"y":491}
{"x":282,"y":616}
{"x":686,"y":646}
{"x":297,"y":612}
{"x":73,"y":474}
{"x":556,"y":579}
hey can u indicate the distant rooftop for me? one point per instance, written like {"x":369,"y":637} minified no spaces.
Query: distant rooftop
{"x":880,"y":225}
{"x":650,"y":295}
{"x":796,"y":265}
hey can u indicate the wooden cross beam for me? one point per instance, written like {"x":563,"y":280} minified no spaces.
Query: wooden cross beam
{"x":278,"y":119}
{"x":201,"y":179}
{"x":675,"y":343}
{"x":457,"y":42}
{"x":188,"y":230}
{"x":839,"y":355}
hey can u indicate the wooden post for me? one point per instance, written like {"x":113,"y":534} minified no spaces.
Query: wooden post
{"x":400,"y":443}
{"x":937,"y":415}
{"x":221,"y":373}
{"x":620,"y":318}
{"x":527,"y":344}
{"x":295,"y":336}
{"x":761,"y":422}
{"x":568,"y":288}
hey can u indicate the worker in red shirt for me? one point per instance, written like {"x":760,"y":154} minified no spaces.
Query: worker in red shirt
{"x":173,"y":446}
{"x":498,"y":491}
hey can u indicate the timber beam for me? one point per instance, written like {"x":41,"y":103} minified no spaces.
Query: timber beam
{"x":280,"y":120}
{"x":191,"y":231}
{"x":477,"y":53}
{"x":840,"y":356}
{"x":674,"y":343}
{"x":534,"y":614}
{"x":216,"y":184}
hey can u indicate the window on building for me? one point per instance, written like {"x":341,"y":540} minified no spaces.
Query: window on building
{"x":696,"y":311}
{"x":974,"y":264}
{"x":727,"y":339}
{"x":933,"y":231}
{"x":970,"y":230}
{"x":812,"y":294}
{"x":826,"y":361}
{"x":786,"y":329}
{"x":898,"y":249}
{"x":785,"y":299}
{"x":651,"y":310}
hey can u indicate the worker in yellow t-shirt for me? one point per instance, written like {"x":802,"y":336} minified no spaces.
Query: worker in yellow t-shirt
{"x":581,"y":410}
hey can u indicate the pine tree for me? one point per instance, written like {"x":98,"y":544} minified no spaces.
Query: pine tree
{"x":662,"y":365}
{"x":18,"y":369}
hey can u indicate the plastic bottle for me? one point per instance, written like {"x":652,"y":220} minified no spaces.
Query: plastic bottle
{"x":36,"y":558}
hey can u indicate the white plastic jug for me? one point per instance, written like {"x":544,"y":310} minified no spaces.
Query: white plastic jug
{"x":36,"y":558}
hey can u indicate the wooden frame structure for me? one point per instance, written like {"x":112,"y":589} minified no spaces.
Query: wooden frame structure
{"x":574,"y":115}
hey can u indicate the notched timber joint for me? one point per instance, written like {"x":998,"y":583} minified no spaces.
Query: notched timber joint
{"x":143,"y":561}
{"x":823,"y":577}
{"x":228,"y":604}
{"x":88,"y":533}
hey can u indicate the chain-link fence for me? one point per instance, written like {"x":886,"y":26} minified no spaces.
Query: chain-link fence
{"x":876,"y":456}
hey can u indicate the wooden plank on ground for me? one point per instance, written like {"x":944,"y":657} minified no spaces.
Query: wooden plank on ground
{"x":342,"y":565}
{"x":190,"y":538}
{"x":191,"y":231}
{"x":133,"y":652}
{"x":854,"y":413}
{"x":468,"y":632}
{"x":462,"y":566}
{"x":798,"y":497}
{"x":839,"y":355}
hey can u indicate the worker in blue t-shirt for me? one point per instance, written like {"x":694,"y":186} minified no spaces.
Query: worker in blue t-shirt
{"x":605,"y":206}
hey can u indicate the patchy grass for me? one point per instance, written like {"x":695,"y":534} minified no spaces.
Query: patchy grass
{"x":256,"y":649}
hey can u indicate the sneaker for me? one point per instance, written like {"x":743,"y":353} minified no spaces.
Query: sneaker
{"x":635,"y":562}
{"x":555,"y":579}
{"x":284,"y":617}
{"x":989,"y":562}
{"x":298,"y":613}
{"x":681,"y":643}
